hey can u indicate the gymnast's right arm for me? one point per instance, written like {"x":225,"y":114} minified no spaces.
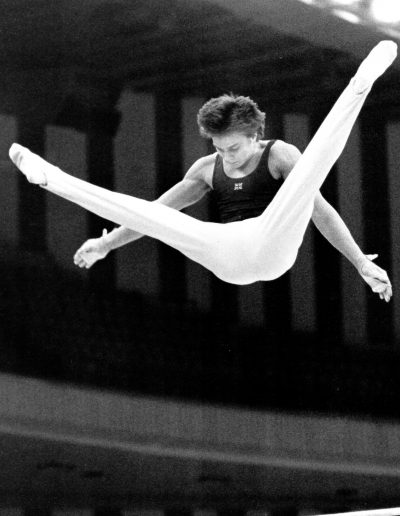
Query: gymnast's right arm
{"x":185,"y":193}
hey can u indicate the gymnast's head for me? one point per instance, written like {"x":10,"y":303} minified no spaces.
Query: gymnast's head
{"x":232,"y":122}
{"x":231,"y":113}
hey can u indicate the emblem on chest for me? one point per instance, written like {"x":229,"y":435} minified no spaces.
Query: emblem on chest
{"x":238,"y":186}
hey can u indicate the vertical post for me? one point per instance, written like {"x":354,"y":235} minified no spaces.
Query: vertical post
{"x":169,"y":172}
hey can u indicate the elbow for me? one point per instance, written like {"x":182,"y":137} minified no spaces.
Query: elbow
{"x":321,"y":218}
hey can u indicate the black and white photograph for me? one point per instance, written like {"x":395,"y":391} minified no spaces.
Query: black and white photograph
{"x":200,"y":256}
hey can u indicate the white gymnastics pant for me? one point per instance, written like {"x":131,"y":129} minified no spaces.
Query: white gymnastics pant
{"x":257,"y":249}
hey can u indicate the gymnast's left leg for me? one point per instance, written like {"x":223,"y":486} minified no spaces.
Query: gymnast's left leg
{"x":283,"y":223}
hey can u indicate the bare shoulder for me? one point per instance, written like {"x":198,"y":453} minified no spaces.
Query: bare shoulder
{"x":202,"y":169}
{"x":282,"y":158}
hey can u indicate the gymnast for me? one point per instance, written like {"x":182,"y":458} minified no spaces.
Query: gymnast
{"x":266,"y":191}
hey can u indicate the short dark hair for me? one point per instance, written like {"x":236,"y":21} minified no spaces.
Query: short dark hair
{"x":230,"y":113}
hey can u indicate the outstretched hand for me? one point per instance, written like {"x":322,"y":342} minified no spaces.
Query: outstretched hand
{"x":376,"y":278}
{"x":91,"y":251}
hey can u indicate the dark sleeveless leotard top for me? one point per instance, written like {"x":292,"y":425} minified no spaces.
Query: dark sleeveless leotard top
{"x":246,"y":197}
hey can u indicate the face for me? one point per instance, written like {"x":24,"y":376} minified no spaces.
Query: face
{"x":235,"y":148}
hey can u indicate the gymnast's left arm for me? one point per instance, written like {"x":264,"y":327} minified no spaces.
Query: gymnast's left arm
{"x":331,"y":225}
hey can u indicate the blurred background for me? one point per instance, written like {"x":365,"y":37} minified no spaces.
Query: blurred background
{"x":146,"y":386}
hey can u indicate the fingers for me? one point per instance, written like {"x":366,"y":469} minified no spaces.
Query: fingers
{"x":384,"y":291}
{"x":80,"y":261}
{"x":85,"y":256}
{"x":380,"y":287}
{"x":377,"y":278}
{"x":83,"y":264}
{"x":386,"y":294}
{"x":82,"y":257}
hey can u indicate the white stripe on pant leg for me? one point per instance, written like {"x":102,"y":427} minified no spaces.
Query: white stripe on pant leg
{"x":393,"y":153}
{"x":349,"y":171}
{"x":137,"y":264}
{"x":67,"y":226}
{"x":302,"y":275}
{"x":9,"y":187}
{"x":198,"y":278}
